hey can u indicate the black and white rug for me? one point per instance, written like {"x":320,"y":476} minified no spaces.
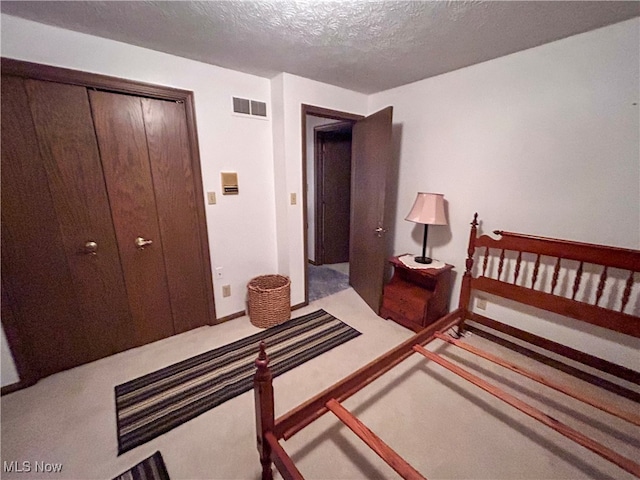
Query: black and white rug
{"x":152,"y":468}
{"x":325,"y":281}
{"x":155,"y":403}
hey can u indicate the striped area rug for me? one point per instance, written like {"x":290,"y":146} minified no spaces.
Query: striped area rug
{"x":155,"y":403}
{"x":152,"y":468}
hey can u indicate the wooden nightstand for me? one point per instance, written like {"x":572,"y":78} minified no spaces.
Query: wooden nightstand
{"x":415,"y":297}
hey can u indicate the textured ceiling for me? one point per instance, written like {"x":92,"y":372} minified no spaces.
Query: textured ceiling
{"x":362,"y":46}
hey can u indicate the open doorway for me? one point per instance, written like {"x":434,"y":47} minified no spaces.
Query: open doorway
{"x":326,"y":140}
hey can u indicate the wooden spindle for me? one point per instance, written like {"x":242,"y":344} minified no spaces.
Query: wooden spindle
{"x":556,"y":274}
{"x":263,"y":394}
{"x":536,"y":269}
{"x":485,"y":262}
{"x":516,"y":274}
{"x":601,"y":284}
{"x":576,"y":283}
{"x":627,"y":291}
{"x":501,"y":264}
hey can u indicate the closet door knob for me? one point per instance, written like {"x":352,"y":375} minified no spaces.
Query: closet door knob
{"x":141,"y":242}
{"x":90,"y":248}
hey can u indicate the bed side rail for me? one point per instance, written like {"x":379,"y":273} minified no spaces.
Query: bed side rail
{"x":269,"y":431}
{"x":292,"y":422}
{"x":604,"y":451}
{"x":375,"y":443}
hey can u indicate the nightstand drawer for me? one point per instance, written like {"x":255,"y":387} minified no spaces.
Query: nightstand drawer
{"x":404,"y":310}
{"x":407,"y":300}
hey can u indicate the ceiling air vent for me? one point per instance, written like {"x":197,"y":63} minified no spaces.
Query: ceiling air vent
{"x":254,"y":108}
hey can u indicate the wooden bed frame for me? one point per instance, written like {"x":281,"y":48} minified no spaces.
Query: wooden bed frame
{"x":501,"y":272}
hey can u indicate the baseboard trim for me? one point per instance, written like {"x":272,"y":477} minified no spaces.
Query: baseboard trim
{"x":230,"y":317}
{"x":14,"y":387}
{"x":243,"y":313}
{"x":299,"y":305}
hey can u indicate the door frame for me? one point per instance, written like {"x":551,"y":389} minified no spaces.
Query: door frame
{"x":324,"y":113}
{"x":319,"y":195}
{"x":29,"y":70}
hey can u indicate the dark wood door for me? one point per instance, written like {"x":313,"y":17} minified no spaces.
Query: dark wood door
{"x":71,"y":303}
{"x":372,"y":165}
{"x":334,"y":192}
{"x":86,"y":176}
{"x":176,"y":204}
{"x":120,"y":129}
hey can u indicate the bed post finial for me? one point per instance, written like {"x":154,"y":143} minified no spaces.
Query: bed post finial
{"x":262,"y":362}
{"x":263,"y":394}
{"x":465,"y":290}
{"x":472,"y":244}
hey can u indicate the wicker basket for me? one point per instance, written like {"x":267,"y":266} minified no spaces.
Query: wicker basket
{"x":269,"y":300}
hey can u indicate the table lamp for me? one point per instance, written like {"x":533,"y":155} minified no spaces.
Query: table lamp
{"x":428,"y":209}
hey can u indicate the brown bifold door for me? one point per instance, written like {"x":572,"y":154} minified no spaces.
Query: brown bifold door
{"x":104,"y":246}
{"x":373,"y":166}
{"x":60,"y":261}
{"x":120,"y":130}
{"x":176,"y":204}
{"x":146,"y":162}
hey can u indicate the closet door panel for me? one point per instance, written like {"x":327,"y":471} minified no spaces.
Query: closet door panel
{"x":170,"y":159}
{"x":64,"y":126}
{"x":121,"y":137}
{"x":34,"y":265}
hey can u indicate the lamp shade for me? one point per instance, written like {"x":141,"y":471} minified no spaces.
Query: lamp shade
{"x":428,"y":209}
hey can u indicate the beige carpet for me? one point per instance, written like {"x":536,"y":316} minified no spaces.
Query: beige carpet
{"x":445,"y":428}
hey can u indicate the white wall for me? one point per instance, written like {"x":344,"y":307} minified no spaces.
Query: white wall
{"x":242,"y":234}
{"x":545,"y":141}
{"x":288,"y":94}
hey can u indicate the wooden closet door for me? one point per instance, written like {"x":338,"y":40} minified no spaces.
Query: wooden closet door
{"x":119,"y":127}
{"x":71,"y":305}
{"x":32,"y":246}
{"x":173,"y":181}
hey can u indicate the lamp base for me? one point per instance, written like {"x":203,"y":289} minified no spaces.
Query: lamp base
{"x":423,"y":260}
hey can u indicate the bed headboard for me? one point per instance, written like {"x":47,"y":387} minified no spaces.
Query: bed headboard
{"x":593,"y":283}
